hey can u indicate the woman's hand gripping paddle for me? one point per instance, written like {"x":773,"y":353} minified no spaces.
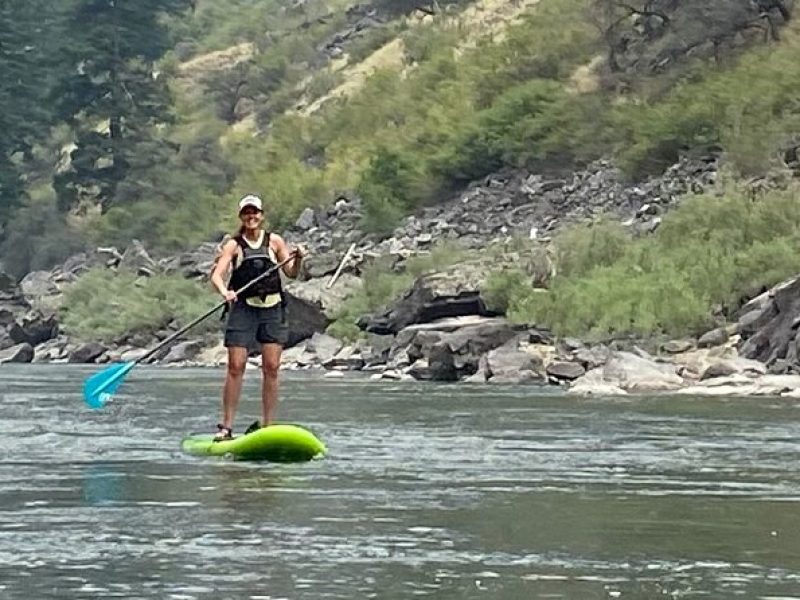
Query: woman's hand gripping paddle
{"x":100,"y":387}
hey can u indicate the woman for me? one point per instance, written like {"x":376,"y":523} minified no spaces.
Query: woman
{"x":257,"y":316}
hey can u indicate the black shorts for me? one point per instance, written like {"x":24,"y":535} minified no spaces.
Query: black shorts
{"x":248,"y":326}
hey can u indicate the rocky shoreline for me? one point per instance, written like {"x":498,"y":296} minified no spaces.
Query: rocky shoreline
{"x":440,"y":329}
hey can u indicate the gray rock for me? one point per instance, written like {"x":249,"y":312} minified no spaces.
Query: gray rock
{"x":37,"y":284}
{"x":10,"y":293}
{"x":51,"y":350}
{"x":775,"y":331}
{"x":677,"y":346}
{"x":378,"y":347}
{"x":21,"y":353}
{"x":182,"y":352}
{"x":321,"y":265}
{"x":450,"y":293}
{"x":452,"y":348}
{"x":749,"y":323}
{"x":630,"y":373}
{"x":733,"y":366}
{"x":306,"y":220}
{"x":329,"y":301}
{"x":324,"y":346}
{"x":86,"y":353}
{"x":136,"y":259}
{"x":591,"y":358}
{"x":715,"y":337}
{"x":304,"y":318}
{"x":419,"y":370}
{"x":348,"y":358}
{"x":509,"y":364}
{"x":571,"y":344}
{"x":566,"y":371}
{"x":38,"y":328}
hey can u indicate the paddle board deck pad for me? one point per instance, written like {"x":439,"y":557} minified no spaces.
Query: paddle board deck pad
{"x":276,"y":443}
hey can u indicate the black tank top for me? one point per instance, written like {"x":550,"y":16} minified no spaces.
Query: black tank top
{"x":255,"y":261}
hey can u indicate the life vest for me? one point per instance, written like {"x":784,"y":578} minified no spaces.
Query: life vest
{"x":255,"y":262}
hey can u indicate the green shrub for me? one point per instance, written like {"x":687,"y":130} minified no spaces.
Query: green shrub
{"x":711,"y":251}
{"x":503,"y":287}
{"x":581,"y":248}
{"x":441,"y":256}
{"x":388,"y":189}
{"x":104,"y":305}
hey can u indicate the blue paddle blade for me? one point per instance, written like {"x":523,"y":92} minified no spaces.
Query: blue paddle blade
{"x":98,"y":389}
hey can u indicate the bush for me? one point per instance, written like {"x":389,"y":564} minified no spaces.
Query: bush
{"x":709,"y":252}
{"x":388,"y":189}
{"x":105,"y":305}
{"x":503,"y":287}
{"x":581,"y":248}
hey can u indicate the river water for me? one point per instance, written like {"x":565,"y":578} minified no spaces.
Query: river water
{"x":437,"y":491}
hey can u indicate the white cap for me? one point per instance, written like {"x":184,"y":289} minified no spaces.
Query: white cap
{"x":250,"y":200}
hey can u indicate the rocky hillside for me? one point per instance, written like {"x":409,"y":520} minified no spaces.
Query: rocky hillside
{"x":442,"y":327}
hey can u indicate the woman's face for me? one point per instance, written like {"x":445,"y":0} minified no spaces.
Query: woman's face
{"x":251,"y":217}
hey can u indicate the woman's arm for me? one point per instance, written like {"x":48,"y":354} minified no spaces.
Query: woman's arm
{"x":282,"y":252}
{"x":223,"y":264}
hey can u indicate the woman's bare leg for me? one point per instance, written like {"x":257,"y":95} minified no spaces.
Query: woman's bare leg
{"x":270,"y":365}
{"x":237,"y":361}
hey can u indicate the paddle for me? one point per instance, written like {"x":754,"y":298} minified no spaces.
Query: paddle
{"x":98,"y":389}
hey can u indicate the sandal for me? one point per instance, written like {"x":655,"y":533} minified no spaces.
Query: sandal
{"x":223,"y":433}
{"x":254,"y":426}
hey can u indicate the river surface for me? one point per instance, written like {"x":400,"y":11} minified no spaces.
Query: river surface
{"x":439,"y":491}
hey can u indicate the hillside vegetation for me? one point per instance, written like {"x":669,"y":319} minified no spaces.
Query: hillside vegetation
{"x":301,"y":103}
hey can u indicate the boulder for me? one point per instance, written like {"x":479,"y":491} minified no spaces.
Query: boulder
{"x":38,"y":328}
{"x":87,"y":353}
{"x":509,"y":364}
{"x":306,"y":220}
{"x":633,"y":374}
{"x":775,"y":332}
{"x":451,"y":348}
{"x":677,"y":346}
{"x":377,"y":348}
{"x":182,"y":352}
{"x":324,"y":347}
{"x":451,"y":293}
{"x":322,"y":265}
{"x":715,"y":337}
{"x":733,"y":366}
{"x":136,"y":259}
{"x":213,"y":356}
{"x":640,"y":375}
{"x":594,"y":383}
{"x":38,"y":284}
{"x":21,"y":353}
{"x":329,"y":301}
{"x":304,"y":318}
{"x":348,"y":358}
{"x":51,"y":350}
{"x":11,"y":334}
{"x":10,"y":292}
{"x":195,"y":264}
{"x":565,"y":371}
{"x":740,"y":385}
{"x":591,"y":358}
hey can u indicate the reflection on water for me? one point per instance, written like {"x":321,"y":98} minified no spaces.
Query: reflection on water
{"x":437,"y":491}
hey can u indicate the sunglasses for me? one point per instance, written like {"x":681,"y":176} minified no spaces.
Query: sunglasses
{"x":250,"y":212}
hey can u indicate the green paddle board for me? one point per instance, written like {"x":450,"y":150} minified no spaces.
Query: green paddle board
{"x":277,"y":443}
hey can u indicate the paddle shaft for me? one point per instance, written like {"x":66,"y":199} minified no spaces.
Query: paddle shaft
{"x":211,"y":311}
{"x":341,"y":265}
